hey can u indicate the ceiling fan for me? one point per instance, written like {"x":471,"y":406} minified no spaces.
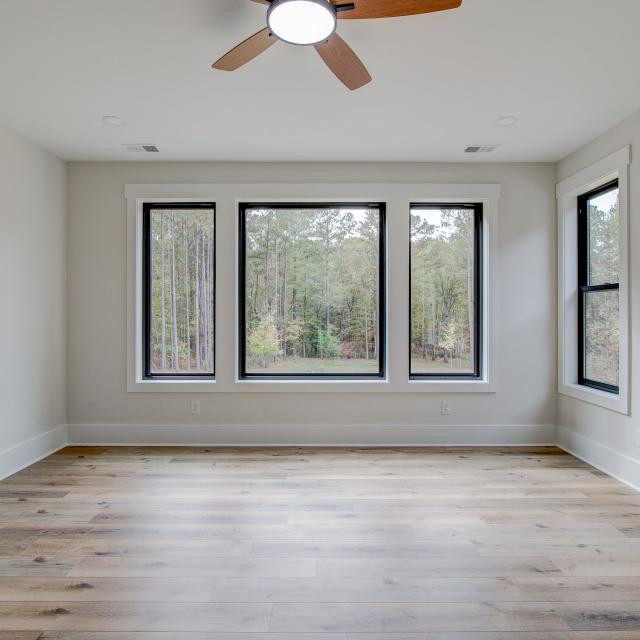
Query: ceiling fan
{"x":314,"y":22}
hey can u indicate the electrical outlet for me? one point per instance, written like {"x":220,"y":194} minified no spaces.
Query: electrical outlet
{"x":195,"y":407}
{"x":446,"y":407}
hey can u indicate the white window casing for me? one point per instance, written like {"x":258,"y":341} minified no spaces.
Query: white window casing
{"x":398,"y":198}
{"x":614,"y":166}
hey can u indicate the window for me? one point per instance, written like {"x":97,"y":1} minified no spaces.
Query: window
{"x":598,"y":288}
{"x":179,"y":290}
{"x":312,"y":294}
{"x":446,"y":290}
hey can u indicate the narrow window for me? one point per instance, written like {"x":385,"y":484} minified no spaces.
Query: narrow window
{"x":446,"y":290}
{"x":179,"y":290}
{"x":312,"y":290}
{"x":598,"y":288}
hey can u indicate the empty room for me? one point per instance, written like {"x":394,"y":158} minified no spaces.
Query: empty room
{"x":319,"y":320}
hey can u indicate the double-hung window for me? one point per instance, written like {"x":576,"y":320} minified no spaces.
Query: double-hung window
{"x":598,"y":288}
{"x":312,"y":291}
{"x":446,"y":291}
{"x":178,"y":291}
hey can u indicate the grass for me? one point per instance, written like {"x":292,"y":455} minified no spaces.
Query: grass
{"x":418,"y":365}
{"x":317,"y":365}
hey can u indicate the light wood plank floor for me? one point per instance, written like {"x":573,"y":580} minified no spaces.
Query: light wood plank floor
{"x":144,"y":543}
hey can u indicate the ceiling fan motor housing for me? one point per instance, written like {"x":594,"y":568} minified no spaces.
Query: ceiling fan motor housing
{"x":302,"y":22}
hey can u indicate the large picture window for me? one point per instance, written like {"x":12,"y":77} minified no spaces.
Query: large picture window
{"x":446,"y":290}
{"x":179,"y":290}
{"x":598,"y":288}
{"x":312,"y":293}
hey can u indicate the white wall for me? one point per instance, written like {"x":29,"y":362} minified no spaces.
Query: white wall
{"x":100,"y":409}
{"x":33,"y":186}
{"x":603,"y":437}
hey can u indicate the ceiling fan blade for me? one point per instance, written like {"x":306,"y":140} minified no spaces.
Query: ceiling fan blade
{"x":344,"y":63}
{"x":255,"y":45}
{"x":365,"y":9}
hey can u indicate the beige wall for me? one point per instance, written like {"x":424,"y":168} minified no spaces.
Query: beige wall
{"x":609,"y":439}
{"x":97,"y":316}
{"x":33,"y":300}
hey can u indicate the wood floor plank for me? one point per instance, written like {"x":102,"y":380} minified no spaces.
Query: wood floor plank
{"x":140,"y":616}
{"x":450,"y":567}
{"x":181,"y":635}
{"x":411,"y":617}
{"x":425,"y":590}
{"x":106,"y":590}
{"x":161,"y":567}
{"x":91,"y":545}
{"x":599,"y":615}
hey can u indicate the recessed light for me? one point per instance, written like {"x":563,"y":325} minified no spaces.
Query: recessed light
{"x":506,"y":121}
{"x":113,"y":121}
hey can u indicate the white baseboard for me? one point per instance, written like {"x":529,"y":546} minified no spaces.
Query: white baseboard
{"x":23,"y":454}
{"x":613,"y":463}
{"x":316,"y":435}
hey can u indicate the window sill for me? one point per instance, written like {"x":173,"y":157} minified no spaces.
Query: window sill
{"x":612,"y":401}
{"x":452,"y":385}
{"x":313,"y":386}
{"x":172,"y":386}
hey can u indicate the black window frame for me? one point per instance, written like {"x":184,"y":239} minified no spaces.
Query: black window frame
{"x":478,"y":281}
{"x":146,"y":289}
{"x":584,"y":285}
{"x":243,"y":207}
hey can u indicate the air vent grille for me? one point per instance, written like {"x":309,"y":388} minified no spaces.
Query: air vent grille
{"x":142,"y":148}
{"x":481,"y":148}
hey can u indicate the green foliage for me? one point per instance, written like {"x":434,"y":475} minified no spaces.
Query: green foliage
{"x":314,"y":272}
{"x":182,"y":290}
{"x":602,"y":326}
{"x":328,"y":344}
{"x":263,"y":340}
{"x":442,"y":291}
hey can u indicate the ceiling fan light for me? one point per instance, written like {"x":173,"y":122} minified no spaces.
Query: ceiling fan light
{"x":302,"y":22}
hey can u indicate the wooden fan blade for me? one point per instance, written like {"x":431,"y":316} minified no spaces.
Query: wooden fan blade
{"x":346,"y":65}
{"x":365,"y":9}
{"x":255,"y":45}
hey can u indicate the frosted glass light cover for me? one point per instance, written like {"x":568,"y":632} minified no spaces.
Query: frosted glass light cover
{"x":301,"y":22}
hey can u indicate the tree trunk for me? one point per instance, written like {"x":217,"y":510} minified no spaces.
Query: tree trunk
{"x":187,"y":323}
{"x":163,"y":357}
{"x":175,"y":356}
{"x":197,"y":301}
{"x":210,"y":294}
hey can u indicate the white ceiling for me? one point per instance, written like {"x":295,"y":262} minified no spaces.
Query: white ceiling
{"x":568,"y":69}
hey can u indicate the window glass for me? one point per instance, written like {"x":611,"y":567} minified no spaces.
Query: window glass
{"x":598,"y":275}
{"x":180,"y":291}
{"x":445,"y":290}
{"x":311,"y":290}
{"x":604,"y":230}
{"x":602,"y":336}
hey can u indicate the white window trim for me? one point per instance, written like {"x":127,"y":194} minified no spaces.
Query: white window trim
{"x":614,"y":166}
{"x":398,"y":198}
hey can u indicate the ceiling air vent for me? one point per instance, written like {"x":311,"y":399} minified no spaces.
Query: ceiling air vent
{"x":142,"y":148}
{"x":481,"y":148}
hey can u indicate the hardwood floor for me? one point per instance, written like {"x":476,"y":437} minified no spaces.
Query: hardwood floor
{"x":143,"y":543}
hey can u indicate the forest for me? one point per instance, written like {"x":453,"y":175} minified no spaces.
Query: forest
{"x":182,"y":252}
{"x":442,"y":291}
{"x":601,"y":308}
{"x":311,"y":290}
